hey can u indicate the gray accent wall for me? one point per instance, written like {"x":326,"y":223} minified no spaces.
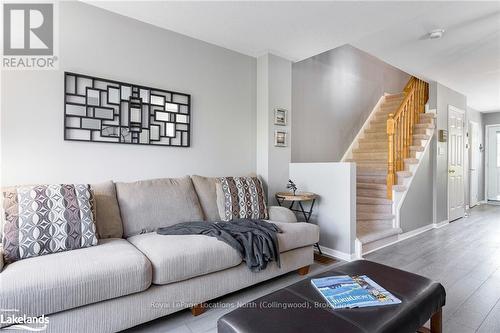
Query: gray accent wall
{"x":491,"y":118}
{"x":487,"y":118}
{"x":333,"y":94}
{"x":476,"y":116}
{"x":416,"y":210}
{"x":440,"y":97}
{"x":93,"y":41}
{"x":274,"y":86}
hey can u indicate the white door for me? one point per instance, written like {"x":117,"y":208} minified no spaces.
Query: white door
{"x":474,"y":156}
{"x":456,"y":189}
{"x":493,"y":163}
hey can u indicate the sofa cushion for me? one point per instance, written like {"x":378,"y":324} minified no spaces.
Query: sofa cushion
{"x":108,"y":219}
{"x":65,"y":280}
{"x":45,"y":219}
{"x":180,"y":257}
{"x":205,"y":188}
{"x":150,"y":204}
{"x":241,"y":198}
{"x":295,"y":235}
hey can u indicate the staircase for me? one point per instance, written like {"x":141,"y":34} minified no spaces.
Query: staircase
{"x":375,"y":207}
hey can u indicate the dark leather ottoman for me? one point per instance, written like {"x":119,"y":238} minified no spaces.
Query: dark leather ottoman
{"x":307,"y":311}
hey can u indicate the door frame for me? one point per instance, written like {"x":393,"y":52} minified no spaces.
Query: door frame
{"x":469,"y":162}
{"x":455,"y":109}
{"x":486,"y":162}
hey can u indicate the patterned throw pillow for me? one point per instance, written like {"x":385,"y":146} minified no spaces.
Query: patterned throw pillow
{"x":240,"y":198}
{"x":45,"y":219}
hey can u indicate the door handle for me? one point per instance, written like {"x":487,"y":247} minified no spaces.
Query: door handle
{"x":451,"y":171}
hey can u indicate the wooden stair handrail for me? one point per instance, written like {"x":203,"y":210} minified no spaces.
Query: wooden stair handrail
{"x":400,"y":128}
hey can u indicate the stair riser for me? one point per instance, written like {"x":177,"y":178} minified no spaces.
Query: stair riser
{"x":426,"y":131}
{"x":394,"y":96}
{"x":373,"y":201}
{"x":418,"y":142}
{"x":391,"y":108}
{"x":370,"y":156}
{"x":370,"y":173}
{"x":421,"y":137}
{"x":372,"y":167}
{"x":375,"y":130}
{"x":380,"y":117}
{"x":371,"y":193}
{"x":376,"y":135}
{"x":364,"y":150}
{"x":378,"y":127}
{"x":372,"y":180}
{"x":424,"y":125}
{"x":371,"y":186}
{"x":373,"y":145}
{"x":373,"y":216}
{"x":384,"y":209}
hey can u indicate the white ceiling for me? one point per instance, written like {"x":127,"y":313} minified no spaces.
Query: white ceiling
{"x":466,"y":59}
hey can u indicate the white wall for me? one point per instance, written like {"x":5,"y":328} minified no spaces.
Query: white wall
{"x":417,"y":208}
{"x":274,"y":90}
{"x":335,"y":210}
{"x":440,"y":97}
{"x":333,"y":94}
{"x":96,"y":42}
{"x":487,"y":118}
{"x":476,"y":116}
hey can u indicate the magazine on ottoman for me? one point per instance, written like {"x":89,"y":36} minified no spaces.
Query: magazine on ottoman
{"x":346,"y":291}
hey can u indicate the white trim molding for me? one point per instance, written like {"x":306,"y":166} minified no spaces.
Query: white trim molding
{"x":409,"y":234}
{"x":338,"y":254}
{"x":441,"y":224}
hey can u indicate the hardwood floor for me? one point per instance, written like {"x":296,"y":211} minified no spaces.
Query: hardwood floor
{"x":464,"y":256}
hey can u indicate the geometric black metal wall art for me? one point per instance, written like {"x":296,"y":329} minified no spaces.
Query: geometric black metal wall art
{"x":101,"y":110}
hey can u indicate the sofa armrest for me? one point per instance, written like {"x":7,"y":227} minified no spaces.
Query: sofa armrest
{"x":281,"y":214}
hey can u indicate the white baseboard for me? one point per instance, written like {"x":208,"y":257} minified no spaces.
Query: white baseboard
{"x":413,"y":233}
{"x":338,"y":254}
{"x":441,"y":224}
{"x":409,"y":234}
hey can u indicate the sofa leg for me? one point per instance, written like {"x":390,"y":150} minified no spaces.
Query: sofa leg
{"x":303,"y":270}
{"x":198,"y":309}
{"x":437,"y":322}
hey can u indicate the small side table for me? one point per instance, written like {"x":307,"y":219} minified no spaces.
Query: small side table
{"x":299,"y":198}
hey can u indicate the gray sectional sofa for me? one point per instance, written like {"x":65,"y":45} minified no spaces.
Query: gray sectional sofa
{"x":135,"y":275}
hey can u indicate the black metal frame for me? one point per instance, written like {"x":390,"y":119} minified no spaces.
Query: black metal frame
{"x":132,"y":130}
{"x":306,"y":214}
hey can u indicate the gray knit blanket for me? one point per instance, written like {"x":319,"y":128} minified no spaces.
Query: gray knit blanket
{"x":256,"y":241}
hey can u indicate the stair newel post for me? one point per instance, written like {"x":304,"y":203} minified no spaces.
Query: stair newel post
{"x":390,"y":157}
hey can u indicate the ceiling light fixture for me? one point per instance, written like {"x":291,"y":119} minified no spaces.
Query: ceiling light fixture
{"x":436,"y":34}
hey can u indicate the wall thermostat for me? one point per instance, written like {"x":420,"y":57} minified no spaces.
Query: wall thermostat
{"x":443,"y":135}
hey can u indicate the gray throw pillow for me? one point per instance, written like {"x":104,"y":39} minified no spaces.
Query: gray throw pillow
{"x":108,"y":219}
{"x":150,"y":204}
{"x":206,"y":190}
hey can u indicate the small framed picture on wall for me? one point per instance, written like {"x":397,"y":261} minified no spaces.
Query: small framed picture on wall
{"x":280,"y":117}
{"x":280,"y":138}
